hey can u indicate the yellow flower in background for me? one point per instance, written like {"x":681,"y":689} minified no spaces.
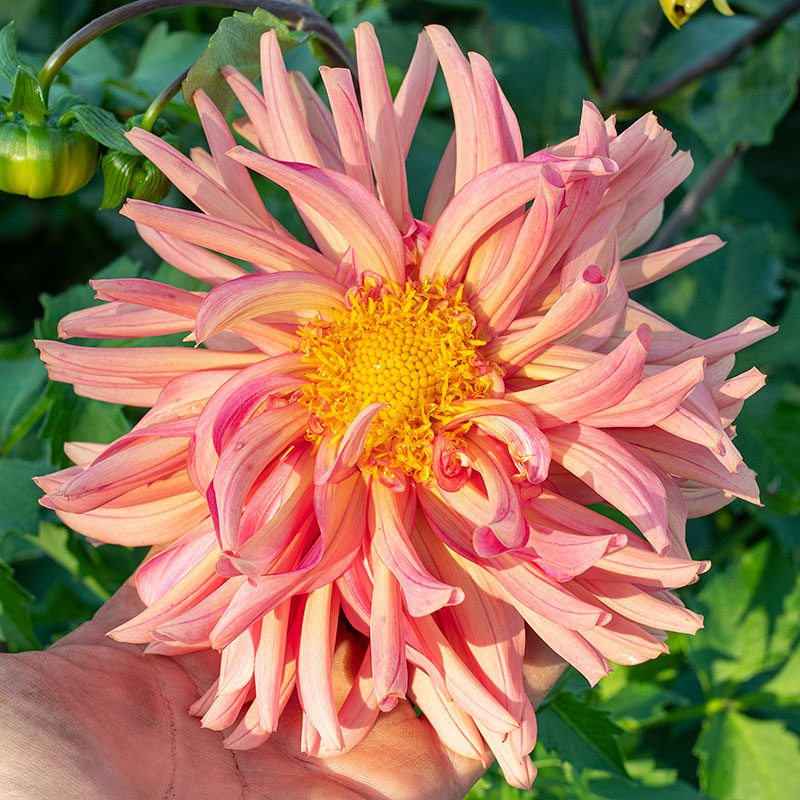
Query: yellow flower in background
{"x":679,"y":11}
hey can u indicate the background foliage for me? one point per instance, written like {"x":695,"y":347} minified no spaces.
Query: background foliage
{"x":720,"y":716}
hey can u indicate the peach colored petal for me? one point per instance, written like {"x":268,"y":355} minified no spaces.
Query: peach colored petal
{"x":595,"y":388}
{"x":612,"y":470}
{"x":391,"y":520}
{"x":351,"y":210}
{"x":414,"y":90}
{"x":349,"y":124}
{"x":314,"y":658}
{"x":266,"y":250}
{"x":646,"y":269}
{"x":380,"y":125}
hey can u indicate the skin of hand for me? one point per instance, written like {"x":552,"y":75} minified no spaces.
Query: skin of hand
{"x":92,"y":719}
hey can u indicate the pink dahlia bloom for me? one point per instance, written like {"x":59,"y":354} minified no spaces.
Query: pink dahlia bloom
{"x":410,"y":422}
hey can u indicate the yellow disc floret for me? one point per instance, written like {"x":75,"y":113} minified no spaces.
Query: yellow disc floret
{"x":413,"y":348}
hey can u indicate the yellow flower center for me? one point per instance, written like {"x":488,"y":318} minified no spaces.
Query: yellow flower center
{"x":413,"y":348}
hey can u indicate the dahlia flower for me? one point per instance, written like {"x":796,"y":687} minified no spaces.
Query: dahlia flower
{"x":412,"y":422}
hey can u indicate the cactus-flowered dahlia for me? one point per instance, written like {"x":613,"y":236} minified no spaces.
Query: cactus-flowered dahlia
{"x":411,"y":422}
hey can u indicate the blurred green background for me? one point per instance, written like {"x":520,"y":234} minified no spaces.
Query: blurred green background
{"x":720,"y":716}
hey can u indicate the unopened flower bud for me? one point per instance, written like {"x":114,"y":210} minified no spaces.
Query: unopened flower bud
{"x":44,"y":160}
{"x":126,"y":174}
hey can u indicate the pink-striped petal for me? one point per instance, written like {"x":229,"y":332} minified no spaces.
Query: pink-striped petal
{"x":613,"y":471}
{"x":350,"y":209}
{"x":380,"y":124}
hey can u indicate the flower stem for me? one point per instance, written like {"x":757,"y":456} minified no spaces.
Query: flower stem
{"x":666,"y":87}
{"x":715,"y":705}
{"x":582,"y":32}
{"x":301,"y":16}
{"x":694,"y":200}
{"x":164,"y":96}
{"x":633,"y":56}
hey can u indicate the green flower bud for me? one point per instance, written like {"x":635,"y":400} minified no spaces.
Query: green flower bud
{"x":44,"y":160}
{"x":135,"y":175}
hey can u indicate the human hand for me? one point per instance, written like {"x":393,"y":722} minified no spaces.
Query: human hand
{"x":91,"y":718}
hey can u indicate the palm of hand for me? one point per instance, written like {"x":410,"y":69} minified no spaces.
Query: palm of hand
{"x":91,"y":718}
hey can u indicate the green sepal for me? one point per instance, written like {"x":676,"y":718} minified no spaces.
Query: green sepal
{"x":150,"y":183}
{"x":161,"y":128}
{"x":117,"y":169}
{"x":9,"y":59}
{"x":135,"y":175}
{"x":101,"y":125}
{"x":27,"y":97}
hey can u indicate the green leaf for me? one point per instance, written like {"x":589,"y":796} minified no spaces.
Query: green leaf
{"x":92,"y":68}
{"x":678,"y":51}
{"x":77,"y":297}
{"x":72,"y":553}
{"x":581,"y":734}
{"x":746,"y":102}
{"x":72,"y":418}
{"x":637,"y":700}
{"x":786,"y":682}
{"x":9,"y":59}
{"x":21,"y":381}
{"x":742,"y":758}
{"x":15,"y":621}
{"x":235,"y":43}
{"x":741,"y":279}
{"x":163,"y":56}
{"x":19,"y":508}
{"x":102,"y":126}
{"x":781,"y":349}
{"x":27,"y":97}
{"x":752,"y":618}
{"x":612,"y":787}
{"x":560,"y":79}
{"x":769,"y":438}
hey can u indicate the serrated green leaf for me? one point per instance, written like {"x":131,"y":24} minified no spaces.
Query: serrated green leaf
{"x":19,"y":508}
{"x":581,"y":734}
{"x":9,"y":59}
{"x":15,"y":622}
{"x":786,"y":682}
{"x":752,"y":618}
{"x":102,"y":126}
{"x":742,"y":758}
{"x":235,"y":43}
{"x":27,"y":97}
{"x":748,"y":101}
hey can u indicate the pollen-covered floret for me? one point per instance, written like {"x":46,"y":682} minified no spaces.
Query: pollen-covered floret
{"x":413,"y":348}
